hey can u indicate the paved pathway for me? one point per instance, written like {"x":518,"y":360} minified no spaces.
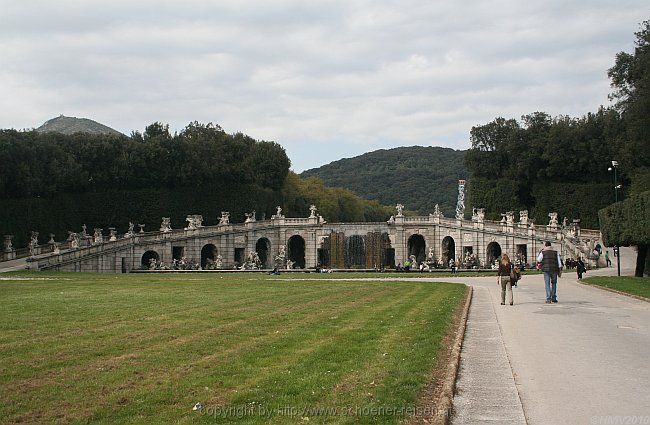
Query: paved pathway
{"x":581,"y":361}
{"x":486,"y":390}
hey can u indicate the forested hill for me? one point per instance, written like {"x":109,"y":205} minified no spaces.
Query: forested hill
{"x":418,"y":177}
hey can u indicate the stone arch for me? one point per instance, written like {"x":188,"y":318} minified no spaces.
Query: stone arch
{"x":355,"y":251}
{"x":208,"y":252}
{"x":448,"y":250}
{"x":417,"y":246}
{"x":147,"y":256}
{"x":296,"y":251}
{"x":492,"y":252}
{"x":263,"y":248}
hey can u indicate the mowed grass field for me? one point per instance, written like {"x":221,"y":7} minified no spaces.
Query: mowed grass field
{"x":146,"y":348}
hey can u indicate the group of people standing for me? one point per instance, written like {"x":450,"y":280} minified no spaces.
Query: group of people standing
{"x":551,"y":266}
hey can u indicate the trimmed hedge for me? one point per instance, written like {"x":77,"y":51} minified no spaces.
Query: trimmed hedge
{"x":116,"y":208}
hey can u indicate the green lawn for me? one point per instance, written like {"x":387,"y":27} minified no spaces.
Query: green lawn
{"x":145,"y":348}
{"x":631,"y":285}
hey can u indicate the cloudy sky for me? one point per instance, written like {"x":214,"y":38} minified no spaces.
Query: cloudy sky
{"x":325,"y":79}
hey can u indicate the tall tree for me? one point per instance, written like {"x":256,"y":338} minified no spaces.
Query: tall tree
{"x":630,"y":78}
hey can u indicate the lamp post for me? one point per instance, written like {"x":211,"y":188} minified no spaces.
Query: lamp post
{"x":616,"y":188}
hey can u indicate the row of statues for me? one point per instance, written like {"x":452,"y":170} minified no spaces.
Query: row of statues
{"x":195,"y":221}
{"x":478,"y":215}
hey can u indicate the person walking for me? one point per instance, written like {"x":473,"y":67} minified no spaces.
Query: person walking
{"x":503,"y":273}
{"x":551,"y":266}
{"x":580,"y":268}
{"x":607,"y":260}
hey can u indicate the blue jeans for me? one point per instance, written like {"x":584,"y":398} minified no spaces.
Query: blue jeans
{"x":550,"y":283}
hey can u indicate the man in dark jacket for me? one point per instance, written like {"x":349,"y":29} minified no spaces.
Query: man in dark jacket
{"x":551,"y":266}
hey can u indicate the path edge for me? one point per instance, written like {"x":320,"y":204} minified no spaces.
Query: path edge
{"x":445,"y":406}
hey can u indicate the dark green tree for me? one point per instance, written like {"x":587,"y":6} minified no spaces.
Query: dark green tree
{"x":628,"y":223}
{"x":630,"y":78}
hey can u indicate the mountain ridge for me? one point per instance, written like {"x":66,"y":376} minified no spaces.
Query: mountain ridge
{"x":71,"y":125}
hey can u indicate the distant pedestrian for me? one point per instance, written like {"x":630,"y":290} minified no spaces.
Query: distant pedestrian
{"x":551,"y":266}
{"x":505,"y":281}
{"x":607,"y":260}
{"x":452,"y":264}
{"x":580,"y":268}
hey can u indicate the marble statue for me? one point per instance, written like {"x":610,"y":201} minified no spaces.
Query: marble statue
{"x":278,"y":213}
{"x":510,"y":218}
{"x":130,"y":233}
{"x":74,"y":243}
{"x":33,"y":243}
{"x":400,"y":210}
{"x":8,"y":246}
{"x":281,"y":258}
{"x":141,"y":226}
{"x":34,"y":239}
{"x":83,"y":231}
{"x":219,"y":261}
{"x":312,"y":211}
{"x":250,"y":217}
{"x":436,"y":211}
{"x":252,"y":261}
{"x":166,"y":225}
{"x":523,"y":217}
{"x":553,"y":220}
{"x":51,"y":241}
{"x":224,"y":219}
{"x":112,"y":235}
{"x":194,"y":221}
{"x":97,"y":236}
{"x":480,"y":214}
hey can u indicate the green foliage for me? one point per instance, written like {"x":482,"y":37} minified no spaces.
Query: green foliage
{"x":630,"y":77}
{"x":115,"y":208}
{"x":640,"y":180}
{"x":418,"y":177}
{"x":55,"y":183}
{"x":628,"y":222}
{"x":334,"y":204}
{"x":544,"y":164}
{"x":574,"y":200}
{"x":200,"y":155}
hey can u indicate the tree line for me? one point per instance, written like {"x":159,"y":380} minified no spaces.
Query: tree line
{"x":46,"y":164}
{"x":543,"y":163}
{"x":52,"y":182}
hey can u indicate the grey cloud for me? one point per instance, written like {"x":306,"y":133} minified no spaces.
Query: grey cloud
{"x":331,"y":78}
